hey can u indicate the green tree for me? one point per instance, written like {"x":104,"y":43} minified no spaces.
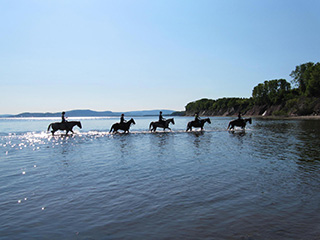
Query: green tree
{"x":313,"y":86}
{"x":301,"y":76}
{"x":271,"y":92}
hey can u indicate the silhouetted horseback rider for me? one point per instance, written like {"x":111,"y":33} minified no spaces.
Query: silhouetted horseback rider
{"x":122,"y":119}
{"x":196,"y":117}
{"x":63,"y":119}
{"x":161,"y":119}
{"x":239,"y":116}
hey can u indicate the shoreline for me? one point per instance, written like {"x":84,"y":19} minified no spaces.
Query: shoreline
{"x":317,"y":117}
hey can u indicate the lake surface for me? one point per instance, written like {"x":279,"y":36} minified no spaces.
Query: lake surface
{"x":263,"y":183}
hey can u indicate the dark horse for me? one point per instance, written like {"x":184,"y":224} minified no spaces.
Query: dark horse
{"x":122,"y":126}
{"x":198,"y":124}
{"x":164,"y":125}
{"x":67,"y":126}
{"x":239,"y":123}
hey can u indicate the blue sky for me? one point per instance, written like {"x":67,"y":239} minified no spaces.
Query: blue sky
{"x":124,"y":55}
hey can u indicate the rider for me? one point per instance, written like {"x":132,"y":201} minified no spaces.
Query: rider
{"x":239,"y":116}
{"x":122,"y":119}
{"x":161,"y":119}
{"x":196,"y":117}
{"x":63,"y":119}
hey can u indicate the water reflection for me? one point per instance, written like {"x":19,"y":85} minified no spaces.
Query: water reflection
{"x":199,"y":145}
{"x":238,"y":134}
{"x":161,"y":143}
{"x":162,"y":139}
{"x":197,"y":133}
{"x":309,"y":140}
{"x":122,"y":143}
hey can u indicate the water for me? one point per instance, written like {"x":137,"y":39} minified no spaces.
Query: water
{"x":259,"y":184}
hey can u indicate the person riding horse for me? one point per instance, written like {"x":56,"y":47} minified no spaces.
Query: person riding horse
{"x":64,"y":126}
{"x":63,"y":119}
{"x":197,"y":118}
{"x":123,"y":125}
{"x":239,"y":122}
{"x":122,"y":119}
{"x":162,"y":120}
{"x":197,"y":122}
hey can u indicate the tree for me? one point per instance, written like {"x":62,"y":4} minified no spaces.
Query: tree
{"x":313,"y":86}
{"x":271,"y":92}
{"x":301,"y":76}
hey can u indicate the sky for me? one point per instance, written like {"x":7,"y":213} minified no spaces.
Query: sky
{"x":124,"y":55}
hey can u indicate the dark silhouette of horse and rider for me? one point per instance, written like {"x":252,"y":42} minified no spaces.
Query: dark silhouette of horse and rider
{"x":163,"y":123}
{"x":64,"y":125}
{"x":239,"y":122}
{"x":122,"y":125}
{"x":197,"y":123}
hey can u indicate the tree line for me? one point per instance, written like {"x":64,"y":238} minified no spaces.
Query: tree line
{"x":300,"y":97}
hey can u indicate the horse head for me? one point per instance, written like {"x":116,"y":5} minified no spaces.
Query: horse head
{"x":132,"y":121}
{"x":172,"y":121}
{"x":208,"y":120}
{"x":249,"y":120}
{"x":79,"y":125}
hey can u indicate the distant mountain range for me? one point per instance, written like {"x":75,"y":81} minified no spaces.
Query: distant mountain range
{"x":91,"y":113}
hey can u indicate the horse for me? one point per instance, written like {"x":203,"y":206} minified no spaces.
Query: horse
{"x":197,"y":124}
{"x":164,"y":125}
{"x":239,"y":123}
{"x":122,"y":126}
{"x":64,"y":126}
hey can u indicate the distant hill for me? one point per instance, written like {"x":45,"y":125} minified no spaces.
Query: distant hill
{"x":91,"y":113}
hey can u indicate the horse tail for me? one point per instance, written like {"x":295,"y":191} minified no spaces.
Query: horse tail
{"x":229,"y":125}
{"x":49,"y":127}
{"x":151,"y":124}
{"x":188,"y":126}
{"x":111,"y":128}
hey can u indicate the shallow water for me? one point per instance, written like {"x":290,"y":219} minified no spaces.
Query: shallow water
{"x":259,"y":184}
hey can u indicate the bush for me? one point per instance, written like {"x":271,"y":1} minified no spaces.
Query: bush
{"x":280,"y":113}
{"x":292,"y":103}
